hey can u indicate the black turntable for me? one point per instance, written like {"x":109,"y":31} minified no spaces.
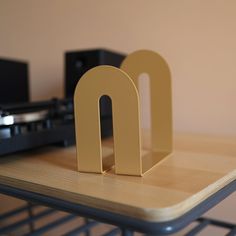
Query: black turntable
{"x":29,"y":125}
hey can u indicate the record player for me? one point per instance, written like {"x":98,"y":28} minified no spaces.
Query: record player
{"x":26,"y":125}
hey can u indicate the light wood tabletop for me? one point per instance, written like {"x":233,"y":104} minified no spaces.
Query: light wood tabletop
{"x":198,"y":167}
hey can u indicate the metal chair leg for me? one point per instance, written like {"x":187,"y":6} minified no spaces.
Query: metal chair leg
{"x":31,"y":214}
{"x":126,"y":232}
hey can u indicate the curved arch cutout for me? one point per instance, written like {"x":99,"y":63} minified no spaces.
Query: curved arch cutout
{"x":145,"y":61}
{"x":113,"y":82}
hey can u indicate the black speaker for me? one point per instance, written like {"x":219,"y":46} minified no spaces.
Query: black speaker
{"x":14,"y":85}
{"x":77,"y":63}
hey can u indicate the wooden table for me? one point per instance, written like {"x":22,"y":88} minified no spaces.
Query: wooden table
{"x":197,"y":175}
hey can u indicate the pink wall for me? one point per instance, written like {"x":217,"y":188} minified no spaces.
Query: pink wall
{"x":197,"y":38}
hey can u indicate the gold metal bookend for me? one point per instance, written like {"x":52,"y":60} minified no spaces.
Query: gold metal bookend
{"x":121,"y":85}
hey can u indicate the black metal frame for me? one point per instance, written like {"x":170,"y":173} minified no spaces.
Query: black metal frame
{"x":128,"y":224}
{"x":32,"y":217}
{"x":203,"y":222}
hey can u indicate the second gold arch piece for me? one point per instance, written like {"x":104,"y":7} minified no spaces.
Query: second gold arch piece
{"x":121,"y":85}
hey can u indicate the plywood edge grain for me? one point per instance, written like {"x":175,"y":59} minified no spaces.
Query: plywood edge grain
{"x":146,"y":214}
{"x":177,"y":210}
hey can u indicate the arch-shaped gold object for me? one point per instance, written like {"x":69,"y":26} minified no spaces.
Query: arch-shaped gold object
{"x":145,"y":61}
{"x":122,"y":88}
{"x":111,"y":81}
